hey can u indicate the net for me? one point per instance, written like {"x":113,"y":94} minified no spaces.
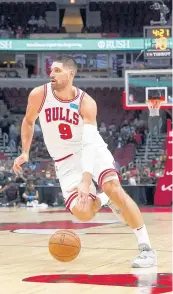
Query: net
{"x":154,"y":106}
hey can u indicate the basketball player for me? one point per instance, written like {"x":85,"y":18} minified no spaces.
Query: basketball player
{"x":68,"y":120}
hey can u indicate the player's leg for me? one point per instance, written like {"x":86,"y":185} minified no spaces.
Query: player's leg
{"x":94,"y":206}
{"x":69,"y":173}
{"x":133,"y":216}
{"x":107,"y":178}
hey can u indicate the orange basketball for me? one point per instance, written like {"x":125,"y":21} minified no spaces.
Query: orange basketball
{"x":64,"y":245}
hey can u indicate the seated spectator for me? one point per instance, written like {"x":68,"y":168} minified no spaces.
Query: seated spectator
{"x":131,"y":178}
{"x":37,"y":130}
{"x":10,"y":32}
{"x":41,"y":22}
{"x":4,"y":32}
{"x":33,"y":165}
{"x":2,"y":20}
{"x":48,"y":180}
{"x":48,"y":194}
{"x":119,"y":142}
{"x":32,"y":21}
{"x":103,"y":128}
{"x":30,"y":195}
{"x":19,"y":32}
{"x":163,"y":156}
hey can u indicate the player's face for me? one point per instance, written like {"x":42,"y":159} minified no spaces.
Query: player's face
{"x":60,"y":76}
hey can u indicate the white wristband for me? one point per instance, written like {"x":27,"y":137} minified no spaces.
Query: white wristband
{"x":88,"y":147}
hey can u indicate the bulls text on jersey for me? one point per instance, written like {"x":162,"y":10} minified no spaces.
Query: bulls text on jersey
{"x":61,"y":114}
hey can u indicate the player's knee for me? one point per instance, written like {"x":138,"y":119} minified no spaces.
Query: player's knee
{"x":83,"y":216}
{"x":114,"y":191}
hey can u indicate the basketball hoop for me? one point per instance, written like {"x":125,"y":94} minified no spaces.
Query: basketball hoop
{"x":154,"y":106}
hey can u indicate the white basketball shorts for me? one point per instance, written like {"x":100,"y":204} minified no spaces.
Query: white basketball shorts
{"x":69,"y":173}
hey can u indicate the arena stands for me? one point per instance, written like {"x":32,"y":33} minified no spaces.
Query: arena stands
{"x":19,"y":19}
{"x":125,"y":18}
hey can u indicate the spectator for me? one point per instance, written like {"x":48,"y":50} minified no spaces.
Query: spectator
{"x":32,"y":21}
{"x":5,"y":182}
{"x":131,"y":179}
{"x":163,"y":156}
{"x":19,"y":64}
{"x":31,"y":195}
{"x":49,"y":194}
{"x":2,"y":20}
{"x":4,"y":32}
{"x":37,"y":130}
{"x":10,"y":32}
{"x":41,"y":22}
{"x":13,"y":132}
{"x":5,"y":125}
{"x":33,"y":164}
{"x":138,"y":139}
{"x":103,"y":128}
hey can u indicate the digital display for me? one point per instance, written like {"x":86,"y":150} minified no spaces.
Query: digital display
{"x":159,"y":42}
{"x":161,"y":32}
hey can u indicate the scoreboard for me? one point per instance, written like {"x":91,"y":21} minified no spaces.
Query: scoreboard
{"x":158,"y":42}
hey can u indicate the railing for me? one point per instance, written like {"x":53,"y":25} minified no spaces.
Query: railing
{"x":149,"y":140}
{"x":53,"y":194}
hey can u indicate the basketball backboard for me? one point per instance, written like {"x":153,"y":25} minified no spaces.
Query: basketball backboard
{"x":141,"y":85}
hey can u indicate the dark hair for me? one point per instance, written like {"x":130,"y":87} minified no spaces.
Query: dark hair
{"x":68,"y":61}
{"x":28,"y":187}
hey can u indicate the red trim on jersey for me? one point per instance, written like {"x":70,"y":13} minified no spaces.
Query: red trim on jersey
{"x":70,"y":199}
{"x":92,"y":196}
{"x":57,"y":160}
{"x":103,"y":174}
{"x":66,"y":101}
{"x":44,"y":98}
{"x":73,"y":196}
{"x":80,"y":103}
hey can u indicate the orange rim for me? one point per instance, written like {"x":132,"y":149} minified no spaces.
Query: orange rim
{"x":155,"y":102}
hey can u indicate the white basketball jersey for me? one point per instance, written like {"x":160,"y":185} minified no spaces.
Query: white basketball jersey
{"x":61,"y":123}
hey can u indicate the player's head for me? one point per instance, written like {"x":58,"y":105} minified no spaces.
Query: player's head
{"x":63,"y":71}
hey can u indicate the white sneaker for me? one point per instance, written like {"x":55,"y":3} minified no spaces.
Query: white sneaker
{"x":146,"y":258}
{"x":35,"y":203}
{"x":116,"y":211}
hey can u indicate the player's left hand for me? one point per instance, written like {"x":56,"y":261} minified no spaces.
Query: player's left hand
{"x":83,"y":196}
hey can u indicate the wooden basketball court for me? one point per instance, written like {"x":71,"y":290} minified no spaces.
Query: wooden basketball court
{"x":103,"y":265}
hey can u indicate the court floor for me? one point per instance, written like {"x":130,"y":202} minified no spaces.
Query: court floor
{"x":103,"y":266}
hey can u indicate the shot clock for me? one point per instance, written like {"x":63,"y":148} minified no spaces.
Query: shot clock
{"x":158,"y":42}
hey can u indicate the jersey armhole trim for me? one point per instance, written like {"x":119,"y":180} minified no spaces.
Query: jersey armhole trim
{"x":44,"y":98}
{"x":80,"y":103}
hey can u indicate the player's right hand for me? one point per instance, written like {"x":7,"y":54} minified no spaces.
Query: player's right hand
{"x":83,"y":196}
{"x":19,"y":161}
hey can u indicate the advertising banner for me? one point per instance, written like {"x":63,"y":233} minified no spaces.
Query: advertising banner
{"x":77,"y":44}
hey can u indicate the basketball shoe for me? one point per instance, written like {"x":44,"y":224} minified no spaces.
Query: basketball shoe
{"x":146,"y":258}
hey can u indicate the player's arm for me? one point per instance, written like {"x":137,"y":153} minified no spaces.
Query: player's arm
{"x":88,"y":112}
{"x":32,"y":112}
{"x":27,"y":130}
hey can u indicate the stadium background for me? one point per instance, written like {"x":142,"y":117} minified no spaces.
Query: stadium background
{"x":105,"y":38}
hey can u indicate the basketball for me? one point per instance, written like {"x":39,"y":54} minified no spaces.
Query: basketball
{"x":64,"y":245}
